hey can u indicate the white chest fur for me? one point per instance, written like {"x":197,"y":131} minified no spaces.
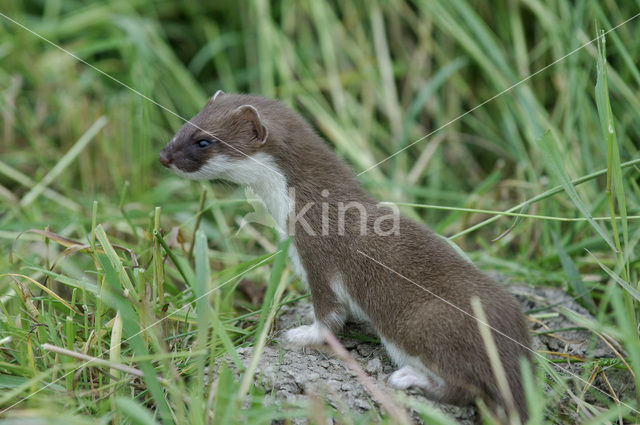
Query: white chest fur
{"x":269,"y":184}
{"x":267,"y":181}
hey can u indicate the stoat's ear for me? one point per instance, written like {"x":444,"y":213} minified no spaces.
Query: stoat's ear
{"x":218,"y":93}
{"x":251,"y":114}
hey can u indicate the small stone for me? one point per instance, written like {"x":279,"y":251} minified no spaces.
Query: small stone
{"x":350,"y":343}
{"x":362,"y":404}
{"x":365,"y":350}
{"x":373,"y":366}
{"x":334,"y":385}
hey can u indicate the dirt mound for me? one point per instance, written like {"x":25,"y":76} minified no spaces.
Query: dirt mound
{"x":288,"y":374}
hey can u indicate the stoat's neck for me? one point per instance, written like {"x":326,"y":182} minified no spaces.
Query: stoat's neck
{"x":306,"y":165}
{"x":269,"y":184}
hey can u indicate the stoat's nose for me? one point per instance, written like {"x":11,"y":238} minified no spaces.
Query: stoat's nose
{"x":164,"y":158}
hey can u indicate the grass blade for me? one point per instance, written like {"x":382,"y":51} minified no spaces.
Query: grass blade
{"x":134,"y":411}
{"x":553,"y":163}
{"x":269,"y":308}
{"x":614,"y":186}
{"x":627,"y":287}
{"x":113,"y":296}
{"x":203,"y":310}
{"x":575,"y":280}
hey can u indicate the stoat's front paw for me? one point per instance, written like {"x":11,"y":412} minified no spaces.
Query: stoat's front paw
{"x":303,"y":336}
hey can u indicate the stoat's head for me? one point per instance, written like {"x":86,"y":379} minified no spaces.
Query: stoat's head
{"x":225,"y":140}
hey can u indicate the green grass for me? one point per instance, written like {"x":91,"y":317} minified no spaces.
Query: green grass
{"x":130,"y":243}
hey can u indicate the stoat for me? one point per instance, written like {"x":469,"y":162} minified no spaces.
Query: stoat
{"x":358,"y":257}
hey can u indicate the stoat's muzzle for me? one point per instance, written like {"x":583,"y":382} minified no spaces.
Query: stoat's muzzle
{"x":165,"y":157}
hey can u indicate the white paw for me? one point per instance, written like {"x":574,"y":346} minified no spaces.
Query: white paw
{"x":303,"y":336}
{"x":406,"y":377}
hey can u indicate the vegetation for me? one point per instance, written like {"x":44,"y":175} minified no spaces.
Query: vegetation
{"x":105,"y":253}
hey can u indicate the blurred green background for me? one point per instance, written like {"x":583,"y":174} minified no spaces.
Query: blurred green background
{"x":373,"y":77}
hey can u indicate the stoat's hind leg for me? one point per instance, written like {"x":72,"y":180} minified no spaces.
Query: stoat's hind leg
{"x":407,"y":377}
{"x":413,"y":373}
{"x":433,"y":387}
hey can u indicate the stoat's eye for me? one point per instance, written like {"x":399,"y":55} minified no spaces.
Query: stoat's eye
{"x":203,"y":143}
